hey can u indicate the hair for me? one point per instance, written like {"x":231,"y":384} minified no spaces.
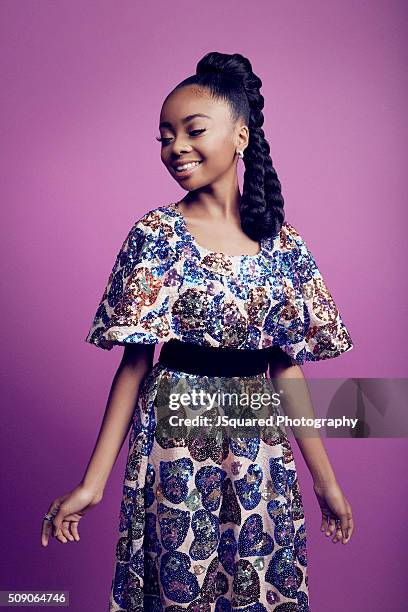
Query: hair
{"x":230,"y":78}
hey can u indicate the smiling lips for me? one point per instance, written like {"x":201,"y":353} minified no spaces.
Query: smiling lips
{"x":187,"y":169}
{"x":186,"y":165}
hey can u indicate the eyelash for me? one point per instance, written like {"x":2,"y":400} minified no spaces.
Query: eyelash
{"x":161,"y":139}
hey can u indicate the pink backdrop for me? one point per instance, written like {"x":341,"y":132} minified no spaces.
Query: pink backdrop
{"x":82,"y":87}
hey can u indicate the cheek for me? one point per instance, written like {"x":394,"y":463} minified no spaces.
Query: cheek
{"x":220,"y":159}
{"x":218,"y":150}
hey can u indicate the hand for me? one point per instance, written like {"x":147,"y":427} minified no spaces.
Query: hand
{"x":335,"y":508}
{"x":68,"y":511}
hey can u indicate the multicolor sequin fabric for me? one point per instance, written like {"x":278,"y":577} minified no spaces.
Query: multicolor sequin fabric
{"x":165,"y":285}
{"x":211,"y":525}
{"x":208,"y":524}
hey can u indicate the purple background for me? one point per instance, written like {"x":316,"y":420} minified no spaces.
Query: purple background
{"x":82,"y":87}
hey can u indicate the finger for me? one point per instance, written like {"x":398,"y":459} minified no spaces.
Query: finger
{"x":74,"y":531}
{"x":338,"y":535}
{"x":339,"y":526}
{"x":45,"y":532}
{"x":347,"y":523}
{"x":349,"y":530}
{"x":58,"y":533}
{"x":331,"y":527}
{"x":324,"y":523}
{"x":65,"y":530}
{"x":345,"y":529}
{"x":57,"y":522}
{"x":60,"y":537}
{"x":46,"y":527}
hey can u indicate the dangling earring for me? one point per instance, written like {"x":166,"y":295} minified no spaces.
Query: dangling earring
{"x":240,"y":153}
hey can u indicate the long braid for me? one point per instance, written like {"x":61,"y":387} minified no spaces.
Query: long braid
{"x":262,"y":200}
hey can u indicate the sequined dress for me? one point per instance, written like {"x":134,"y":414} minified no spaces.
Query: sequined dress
{"x":204,"y":526}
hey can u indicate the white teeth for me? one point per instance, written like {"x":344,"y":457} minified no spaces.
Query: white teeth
{"x":187,"y":166}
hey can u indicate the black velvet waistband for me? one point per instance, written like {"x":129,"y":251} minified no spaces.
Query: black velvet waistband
{"x":212,"y":361}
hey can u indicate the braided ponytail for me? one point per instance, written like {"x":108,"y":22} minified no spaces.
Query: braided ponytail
{"x":230,"y":78}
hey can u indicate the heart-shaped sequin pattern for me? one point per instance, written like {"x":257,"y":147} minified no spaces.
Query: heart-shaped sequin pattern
{"x":245,"y":586}
{"x":278,"y":474}
{"x":253,"y":541}
{"x":205,"y":447}
{"x":174,"y":525}
{"x":129,"y":596}
{"x":209,"y":481}
{"x":206,"y":529}
{"x":284,"y":531}
{"x":282,"y":572}
{"x":248,"y":487}
{"x":245,"y":447}
{"x":179,"y":584}
{"x":174,"y":477}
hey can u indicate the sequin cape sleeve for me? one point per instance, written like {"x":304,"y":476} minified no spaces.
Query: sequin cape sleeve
{"x":313,"y":329}
{"x":124,"y":314}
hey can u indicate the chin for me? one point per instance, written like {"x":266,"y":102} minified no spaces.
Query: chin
{"x":191,"y":184}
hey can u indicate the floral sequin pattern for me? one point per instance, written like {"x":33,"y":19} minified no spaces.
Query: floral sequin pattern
{"x":189,"y":310}
{"x":164,"y":286}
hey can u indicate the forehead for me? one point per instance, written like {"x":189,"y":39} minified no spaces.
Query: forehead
{"x":191,"y":100}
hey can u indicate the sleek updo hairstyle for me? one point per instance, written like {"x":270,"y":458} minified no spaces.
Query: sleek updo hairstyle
{"x":230,"y":78}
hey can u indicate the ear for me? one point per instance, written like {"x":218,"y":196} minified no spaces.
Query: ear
{"x":242,"y":137}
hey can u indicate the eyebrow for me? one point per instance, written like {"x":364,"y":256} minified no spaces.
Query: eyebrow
{"x":184,"y":120}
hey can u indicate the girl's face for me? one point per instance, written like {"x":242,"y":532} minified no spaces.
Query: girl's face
{"x":211,"y":140}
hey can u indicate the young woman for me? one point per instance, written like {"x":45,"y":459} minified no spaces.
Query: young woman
{"x":211,"y":523}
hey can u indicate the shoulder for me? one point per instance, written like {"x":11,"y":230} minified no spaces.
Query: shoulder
{"x":294,"y":249}
{"x":149,"y":234}
{"x":289,"y":237}
{"x":289,"y":230}
{"x":146,"y":228}
{"x":154,"y":220}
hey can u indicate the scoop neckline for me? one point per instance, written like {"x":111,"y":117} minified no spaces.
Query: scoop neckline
{"x":203,"y":249}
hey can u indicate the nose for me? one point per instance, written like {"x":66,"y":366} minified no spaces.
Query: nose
{"x":180,"y":147}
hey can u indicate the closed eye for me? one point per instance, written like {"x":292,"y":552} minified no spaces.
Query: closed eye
{"x":193,"y":133}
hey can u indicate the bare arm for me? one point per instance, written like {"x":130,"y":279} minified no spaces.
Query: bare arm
{"x":137,"y":360}
{"x":68,"y":509}
{"x":337,"y":517}
{"x":298,"y":403}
